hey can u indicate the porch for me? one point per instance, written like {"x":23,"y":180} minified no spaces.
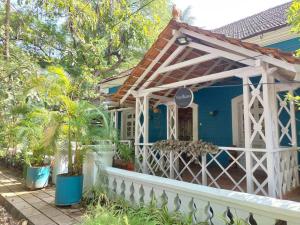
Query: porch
{"x":264,"y":160}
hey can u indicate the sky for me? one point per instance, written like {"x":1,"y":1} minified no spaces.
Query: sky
{"x":212,"y":14}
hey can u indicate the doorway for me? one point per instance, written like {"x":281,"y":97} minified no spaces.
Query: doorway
{"x":185,"y":124}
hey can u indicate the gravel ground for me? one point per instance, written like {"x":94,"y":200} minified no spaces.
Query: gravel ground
{"x":6,"y":218}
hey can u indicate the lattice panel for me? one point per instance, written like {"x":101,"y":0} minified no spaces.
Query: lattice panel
{"x":158,"y":162}
{"x":172,"y":119}
{"x":187,"y":167}
{"x":259,"y":173}
{"x":284,"y":120}
{"x":257,"y":131}
{"x":175,"y":165}
{"x":287,"y":176}
{"x":227,"y":170}
{"x":138,"y":158}
{"x":139,"y":120}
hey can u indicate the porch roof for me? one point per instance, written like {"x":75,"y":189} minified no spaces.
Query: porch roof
{"x":240,"y":54}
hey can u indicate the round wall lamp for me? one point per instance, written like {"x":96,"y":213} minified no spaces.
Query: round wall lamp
{"x":213,"y":113}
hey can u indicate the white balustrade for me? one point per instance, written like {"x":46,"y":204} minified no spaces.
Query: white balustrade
{"x":204,"y":204}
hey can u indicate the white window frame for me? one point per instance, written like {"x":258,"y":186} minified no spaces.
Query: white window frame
{"x":124,"y":125}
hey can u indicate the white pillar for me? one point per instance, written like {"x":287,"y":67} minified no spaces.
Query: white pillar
{"x":293,"y":121}
{"x":138,"y":131}
{"x":247,"y":128}
{"x":294,"y":134}
{"x":145,"y":134}
{"x":172,"y":134}
{"x":271,"y":129}
{"x":195,"y":122}
{"x":142,"y":132}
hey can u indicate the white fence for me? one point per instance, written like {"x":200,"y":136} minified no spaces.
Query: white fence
{"x":236,"y":169}
{"x":204,"y":204}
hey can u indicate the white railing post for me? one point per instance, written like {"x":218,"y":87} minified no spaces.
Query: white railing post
{"x":172,"y":165}
{"x":247,"y":128}
{"x":203,"y":167}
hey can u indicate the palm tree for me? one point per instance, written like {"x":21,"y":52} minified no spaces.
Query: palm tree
{"x":186,"y":16}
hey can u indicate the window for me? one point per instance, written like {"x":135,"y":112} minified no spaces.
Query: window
{"x":128,"y":119}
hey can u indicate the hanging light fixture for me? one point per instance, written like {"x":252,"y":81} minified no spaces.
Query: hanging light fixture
{"x":182,"y":40}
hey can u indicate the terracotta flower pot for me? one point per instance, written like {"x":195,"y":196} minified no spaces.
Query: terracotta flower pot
{"x":130,"y":166}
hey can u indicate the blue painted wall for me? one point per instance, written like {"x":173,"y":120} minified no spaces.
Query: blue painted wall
{"x":287,"y":46}
{"x":158,"y":124}
{"x":218,"y":128}
{"x":113,"y":90}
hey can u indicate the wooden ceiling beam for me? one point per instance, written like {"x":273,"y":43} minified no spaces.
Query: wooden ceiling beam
{"x":216,"y":76}
{"x":149,"y":68}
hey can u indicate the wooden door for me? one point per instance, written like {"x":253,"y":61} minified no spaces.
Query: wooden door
{"x":185,"y":124}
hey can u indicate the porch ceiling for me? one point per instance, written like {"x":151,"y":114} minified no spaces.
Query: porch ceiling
{"x":165,"y":52}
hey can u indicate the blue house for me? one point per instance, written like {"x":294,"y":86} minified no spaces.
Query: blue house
{"x":239,"y":76}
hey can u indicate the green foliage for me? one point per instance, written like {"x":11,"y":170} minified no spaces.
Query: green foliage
{"x":106,"y":208}
{"x":73,"y":119}
{"x":31,"y":134}
{"x":126,"y":152}
{"x":294,"y":18}
{"x":94,"y":38}
{"x":14,"y":83}
{"x":59,"y":51}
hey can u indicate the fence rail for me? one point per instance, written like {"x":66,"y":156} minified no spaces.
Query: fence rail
{"x":232,"y":168}
{"x":204,"y":204}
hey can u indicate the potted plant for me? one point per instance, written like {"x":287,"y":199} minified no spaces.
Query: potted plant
{"x":79,"y":124}
{"x":104,"y":144}
{"x":31,"y":135}
{"x":78,"y":128}
{"x":76,"y":122}
{"x":126,"y":154}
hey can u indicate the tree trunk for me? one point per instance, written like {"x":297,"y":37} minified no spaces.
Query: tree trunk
{"x":7,"y":29}
{"x":70,"y":152}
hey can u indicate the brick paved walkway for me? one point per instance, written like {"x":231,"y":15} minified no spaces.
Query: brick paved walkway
{"x":36,"y":206}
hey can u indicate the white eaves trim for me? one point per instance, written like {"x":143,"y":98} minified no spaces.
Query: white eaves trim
{"x":242,"y":50}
